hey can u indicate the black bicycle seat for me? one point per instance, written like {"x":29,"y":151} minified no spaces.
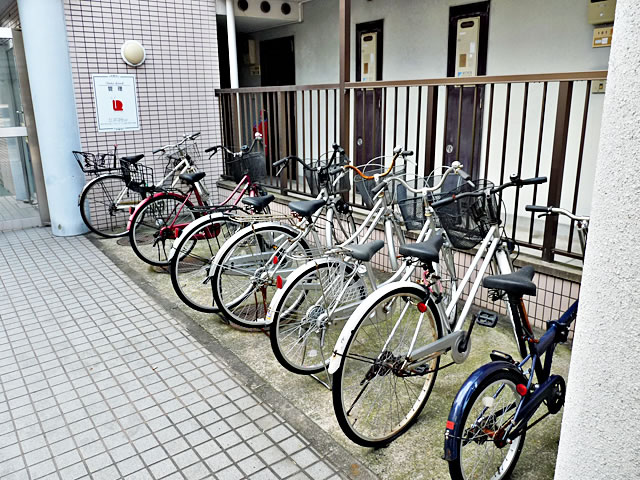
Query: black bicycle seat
{"x":517,"y":283}
{"x":306,"y":208}
{"x":192,"y":178}
{"x":428,"y":251}
{"x":133,"y":158}
{"x":258,"y":203}
{"x":366,"y":251}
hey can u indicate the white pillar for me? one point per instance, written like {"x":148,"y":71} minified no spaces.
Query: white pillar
{"x":47,"y":52}
{"x":599,"y":438}
{"x":233,"y":48}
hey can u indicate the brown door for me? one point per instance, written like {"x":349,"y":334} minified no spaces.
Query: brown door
{"x":467,"y":57}
{"x":368,"y":101}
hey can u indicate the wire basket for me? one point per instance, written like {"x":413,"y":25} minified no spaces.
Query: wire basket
{"x":467,"y":220}
{"x":171,"y":159}
{"x":92,"y":164}
{"x":138,"y":177}
{"x":316,"y":173}
{"x":365,"y":186}
{"x":412,"y":205}
{"x":250,"y":163}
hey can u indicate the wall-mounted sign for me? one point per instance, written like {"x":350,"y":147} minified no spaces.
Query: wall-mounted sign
{"x":602,"y":37}
{"x":116,"y":102}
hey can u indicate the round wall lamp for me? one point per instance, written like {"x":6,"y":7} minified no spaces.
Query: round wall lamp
{"x":133,"y":53}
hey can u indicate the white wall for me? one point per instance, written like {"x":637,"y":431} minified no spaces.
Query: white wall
{"x":524,"y":37}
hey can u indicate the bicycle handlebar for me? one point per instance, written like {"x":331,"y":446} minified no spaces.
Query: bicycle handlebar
{"x":515,"y":181}
{"x":455,"y":167}
{"x":193,"y":136}
{"x":555,"y":211}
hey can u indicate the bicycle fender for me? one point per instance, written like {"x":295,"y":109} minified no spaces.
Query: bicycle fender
{"x":454,"y":422}
{"x":352,"y":323}
{"x":148,"y":199}
{"x":278,"y":297}
{"x":194,"y":226}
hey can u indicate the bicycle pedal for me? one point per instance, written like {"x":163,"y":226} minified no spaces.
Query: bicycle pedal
{"x":496,"y":355}
{"x":486,"y":318}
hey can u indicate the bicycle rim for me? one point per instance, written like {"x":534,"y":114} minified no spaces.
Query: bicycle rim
{"x":374,"y":402}
{"x":244,"y":280}
{"x":492,"y":408}
{"x":310,"y":316}
{"x":104,"y":206}
{"x":191,"y":263}
{"x":153,"y":228}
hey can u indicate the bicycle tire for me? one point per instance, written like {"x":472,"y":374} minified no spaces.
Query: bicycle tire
{"x":457,"y":467}
{"x":307,"y":316}
{"x":191,"y":260}
{"x":98,"y":207}
{"x":364,"y":360}
{"x":150,"y":226}
{"x":254,"y":246}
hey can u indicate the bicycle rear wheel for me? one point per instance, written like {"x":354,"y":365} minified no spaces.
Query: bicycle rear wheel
{"x":153,"y":227}
{"x":491,"y":407}
{"x":308,"y":316}
{"x":105,"y":203}
{"x":243,"y":273}
{"x":375,"y":398}
{"x":191,"y":258}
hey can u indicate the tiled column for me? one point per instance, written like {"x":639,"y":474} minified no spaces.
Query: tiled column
{"x":47,"y":52}
{"x":599,"y":438}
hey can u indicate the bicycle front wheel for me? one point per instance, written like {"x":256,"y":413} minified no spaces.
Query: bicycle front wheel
{"x":482,"y":455}
{"x":153,"y":227}
{"x":105,"y":204}
{"x":308,"y":316}
{"x":245,"y":270}
{"x":192,"y":256}
{"x":376,"y":396}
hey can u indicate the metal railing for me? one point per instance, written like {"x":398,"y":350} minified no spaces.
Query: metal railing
{"x":533,"y":125}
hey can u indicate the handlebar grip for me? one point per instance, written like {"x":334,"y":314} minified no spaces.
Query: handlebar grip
{"x":193,"y":136}
{"x":407,"y":153}
{"x":442,"y":202}
{"x":533,"y":181}
{"x":375,"y":190}
{"x":158,"y":150}
{"x":338,"y":148}
{"x":335,"y":170}
{"x":466,"y":177}
{"x":537,"y":208}
{"x":211,"y":149}
{"x":282,"y":161}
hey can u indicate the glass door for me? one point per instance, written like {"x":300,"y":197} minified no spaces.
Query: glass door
{"x":18,"y":193}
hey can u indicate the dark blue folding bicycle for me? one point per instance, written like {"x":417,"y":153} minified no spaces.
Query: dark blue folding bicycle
{"x":490,"y":415}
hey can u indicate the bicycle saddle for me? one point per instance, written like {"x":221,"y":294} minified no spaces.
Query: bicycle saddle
{"x":366,"y":251}
{"x":428,"y":251}
{"x":133,"y":158}
{"x":306,"y":208}
{"x":192,"y":178}
{"x":518,"y":283}
{"x":258,"y":203}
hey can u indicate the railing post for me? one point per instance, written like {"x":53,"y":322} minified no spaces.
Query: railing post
{"x":282,"y":140}
{"x":432,"y":124}
{"x":345,"y":72}
{"x":563,"y":112}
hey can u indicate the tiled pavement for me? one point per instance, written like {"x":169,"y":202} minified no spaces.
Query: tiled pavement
{"x":15,"y":215}
{"x":97,"y":380}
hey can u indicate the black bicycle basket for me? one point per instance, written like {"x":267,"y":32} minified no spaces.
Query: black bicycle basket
{"x":317,"y":175}
{"x":250,"y":163}
{"x":93,"y":164}
{"x":138,"y":177}
{"x":467,"y":220}
{"x":412,"y":205}
{"x":365,"y":186}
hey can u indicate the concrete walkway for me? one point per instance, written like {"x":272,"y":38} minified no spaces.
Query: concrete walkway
{"x":97,"y":380}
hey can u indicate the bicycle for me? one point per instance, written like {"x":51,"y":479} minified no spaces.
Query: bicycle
{"x":308,"y":312}
{"x":390,"y":348}
{"x":488,"y":421}
{"x":194,"y":249}
{"x":162,"y":216}
{"x":106,"y":201}
{"x":249,"y":266}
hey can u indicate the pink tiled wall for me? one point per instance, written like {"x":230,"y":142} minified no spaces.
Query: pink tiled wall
{"x":175,"y":85}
